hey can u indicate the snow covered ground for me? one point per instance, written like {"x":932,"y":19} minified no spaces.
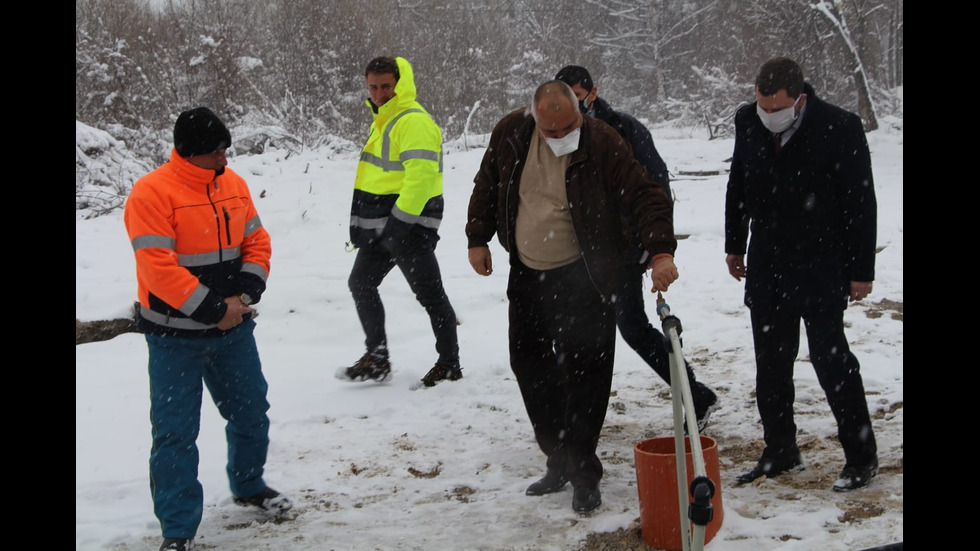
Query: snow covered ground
{"x":380,"y":467}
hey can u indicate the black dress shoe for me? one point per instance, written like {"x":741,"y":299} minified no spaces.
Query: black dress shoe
{"x":771,"y":468}
{"x":585,"y":499}
{"x":852,"y":478}
{"x":551,"y":483}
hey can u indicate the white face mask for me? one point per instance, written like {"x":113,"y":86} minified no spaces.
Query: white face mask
{"x":566,"y":145}
{"x":778,"y":121}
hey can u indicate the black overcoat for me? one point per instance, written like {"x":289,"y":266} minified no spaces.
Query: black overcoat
{"x":810,"y":209}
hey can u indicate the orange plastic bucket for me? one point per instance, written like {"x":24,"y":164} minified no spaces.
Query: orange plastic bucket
{"x":656,"y":481}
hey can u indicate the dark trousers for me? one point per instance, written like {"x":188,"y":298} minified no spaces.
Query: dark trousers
{"x":562,"y":338}
{"x":421,"y":271}
{"x":642,"y":336}
{"x":777,"y":342}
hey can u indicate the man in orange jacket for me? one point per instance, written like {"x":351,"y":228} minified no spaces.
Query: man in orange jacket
{"x":202,"y":259}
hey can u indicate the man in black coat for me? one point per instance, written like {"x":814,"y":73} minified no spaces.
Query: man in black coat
{"x":801,"y":184}
{"x":631,"y":317}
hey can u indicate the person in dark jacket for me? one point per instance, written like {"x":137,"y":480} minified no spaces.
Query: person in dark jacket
{"x":801,"y":185}
{"x":552,"y":186}
{"x":631,"y":316}
{"x":195,"y":307}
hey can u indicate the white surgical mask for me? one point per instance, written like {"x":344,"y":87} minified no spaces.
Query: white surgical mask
{"x":566,"y":145}
{"x":778,"y":121}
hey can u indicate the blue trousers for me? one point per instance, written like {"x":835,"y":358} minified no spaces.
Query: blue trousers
{"x":229,"y":366}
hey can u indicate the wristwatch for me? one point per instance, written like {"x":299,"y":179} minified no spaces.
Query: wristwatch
{"x":245,"y":298}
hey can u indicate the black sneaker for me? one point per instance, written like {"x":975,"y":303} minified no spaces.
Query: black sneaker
{"x":370,"y":366}
{"x":177,"y":544}
{"x":705,"y":403}
{"x":268,"y":500}
{"x":441,"y":372}
{"x":772,"y":467}
{"x":852,"y":478}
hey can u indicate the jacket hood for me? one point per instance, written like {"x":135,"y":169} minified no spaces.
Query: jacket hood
{"x":405,"y":92}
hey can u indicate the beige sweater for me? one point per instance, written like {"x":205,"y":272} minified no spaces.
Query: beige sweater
{"x":545,"y":236}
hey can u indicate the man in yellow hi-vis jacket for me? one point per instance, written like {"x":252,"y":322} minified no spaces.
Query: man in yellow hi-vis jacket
{"x":395,"y":216}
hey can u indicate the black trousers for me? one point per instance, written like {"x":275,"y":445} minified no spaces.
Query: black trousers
{"x":562,"y":338}
{"x":421,"y":271}
{"x":777,"y":342}
{"x":636,"y":329}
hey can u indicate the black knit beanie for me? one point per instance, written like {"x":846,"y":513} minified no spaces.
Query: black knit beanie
{"x":199,"y":132}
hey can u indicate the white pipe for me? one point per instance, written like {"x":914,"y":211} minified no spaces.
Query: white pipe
{"x":680,"y":390}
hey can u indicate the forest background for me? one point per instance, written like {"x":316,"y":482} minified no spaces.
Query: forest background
{"x":290,"y":73}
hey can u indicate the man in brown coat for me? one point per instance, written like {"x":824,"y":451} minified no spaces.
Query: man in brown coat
{"x":551,"y":186}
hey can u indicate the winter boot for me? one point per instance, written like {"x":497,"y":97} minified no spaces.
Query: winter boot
{"x":441,"y":372}
{"x":177,"y":544}
{"x":268,"y":500}
{"x":371,"y":366}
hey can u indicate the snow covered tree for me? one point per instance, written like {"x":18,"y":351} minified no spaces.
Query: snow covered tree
{"x":831,"y":10}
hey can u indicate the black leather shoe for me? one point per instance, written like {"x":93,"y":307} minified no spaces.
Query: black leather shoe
{"x":852,"y":478}
{"x":551,"y":483}
{"x":771,"y":468}
{"x":586,"y":499}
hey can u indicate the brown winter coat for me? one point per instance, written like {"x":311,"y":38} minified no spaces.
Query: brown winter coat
{"x":603,"y":180}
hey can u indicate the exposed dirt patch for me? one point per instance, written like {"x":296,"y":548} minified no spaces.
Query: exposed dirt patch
{"x":737,"y":451}
{"x":624,"y":539}
{"x":857,"y":510}
{"x":884,"y":306}
{"x":462,"y":494}
{"x":431,"y":473}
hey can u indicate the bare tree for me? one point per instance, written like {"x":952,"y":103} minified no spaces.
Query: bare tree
{"x":830,"y":9}
{"x":291,"y":71}
{"x":645,"y":42}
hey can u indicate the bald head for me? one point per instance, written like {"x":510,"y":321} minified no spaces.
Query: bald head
{"x":555,"y":109}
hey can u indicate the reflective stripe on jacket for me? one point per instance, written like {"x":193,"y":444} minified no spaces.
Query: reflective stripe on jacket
{"x":398,"y":187}
{"x":197,"y":239}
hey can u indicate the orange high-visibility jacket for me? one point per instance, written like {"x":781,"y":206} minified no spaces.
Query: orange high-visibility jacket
{"x":198,"y":240}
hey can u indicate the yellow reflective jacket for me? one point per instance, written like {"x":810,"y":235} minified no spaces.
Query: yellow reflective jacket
{"x":398,"y":188}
